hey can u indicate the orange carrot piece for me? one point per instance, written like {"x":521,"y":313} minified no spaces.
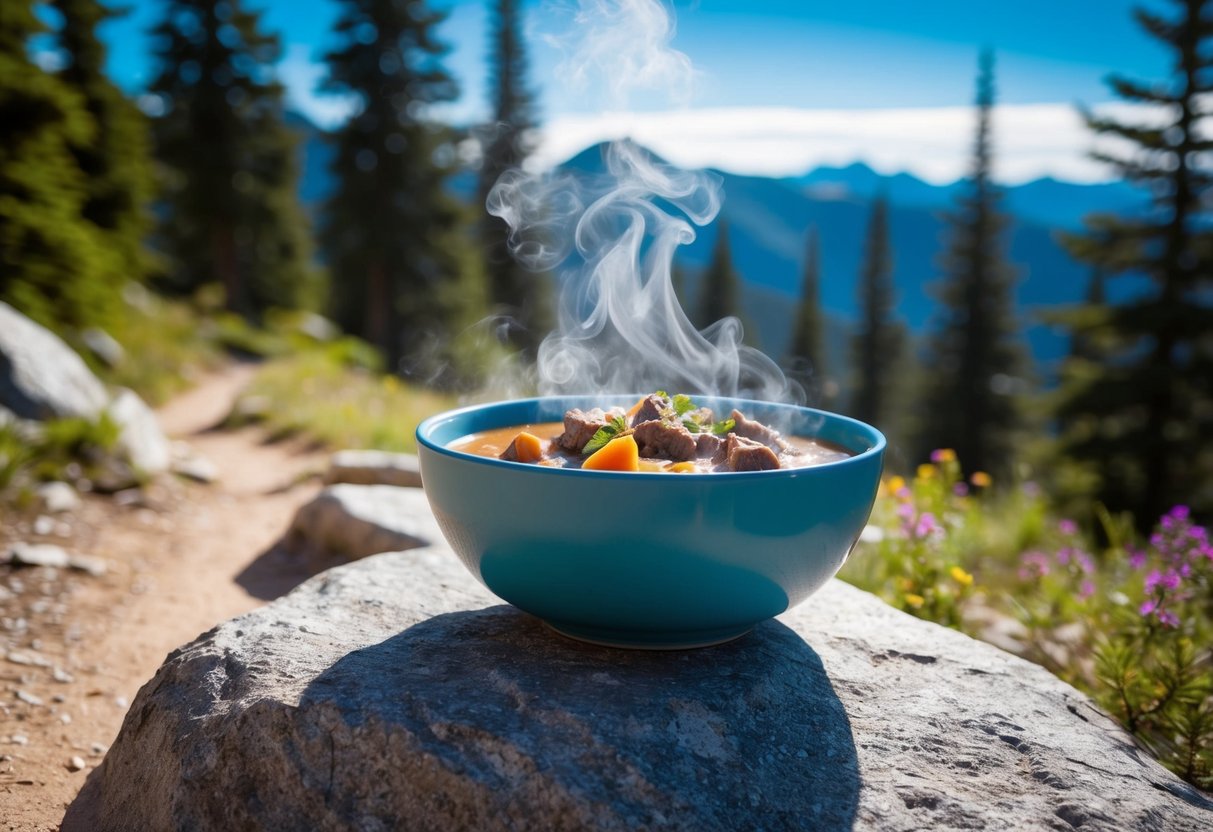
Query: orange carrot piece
{"x":528,"y":447}
{"x":683,"y":468}
{"x":620,"y":454}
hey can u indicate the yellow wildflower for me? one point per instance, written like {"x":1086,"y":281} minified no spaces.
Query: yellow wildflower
{"x":943,"y":455}
{"x":896,"y":484}
{"x":390,"y":383}
{"x":961,"y":577}
{"x":926,"y":471}
{"x":981,"y":479}
{"x":915,"y":601}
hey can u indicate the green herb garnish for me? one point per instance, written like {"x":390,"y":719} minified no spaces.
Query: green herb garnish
{"x":605,"y":434}
{"x":683,"y":404}
{"x":723,"y":426}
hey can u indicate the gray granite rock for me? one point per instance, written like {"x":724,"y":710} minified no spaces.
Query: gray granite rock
{"x":57,"y":497}
{"x":50,"y":555}
{"x":40,"y":376}
{"x":353,"y":521}
{"x":396,"y":693}
{"x":101,"y":344}
{"x":361,"y":467}
{"x":141,"y":440}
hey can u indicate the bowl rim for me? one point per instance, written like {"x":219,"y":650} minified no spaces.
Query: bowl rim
{"x":433,"y":422}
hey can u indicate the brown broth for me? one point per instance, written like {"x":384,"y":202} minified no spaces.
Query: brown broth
{"x":494,"y":442}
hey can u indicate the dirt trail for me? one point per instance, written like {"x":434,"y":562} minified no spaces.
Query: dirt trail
{"x":173,"y":573}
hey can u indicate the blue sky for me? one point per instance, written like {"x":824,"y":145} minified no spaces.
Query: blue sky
{"x":809,"y":55}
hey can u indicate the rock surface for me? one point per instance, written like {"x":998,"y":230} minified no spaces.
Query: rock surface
{"x":397,"y":693}
{"x":57,"y":497}
{"x":55,"y":557}
{"x":141,"y":440}
{"x":40,"y":376}
{"x":374,"y":468}
{"x":354,"y":521}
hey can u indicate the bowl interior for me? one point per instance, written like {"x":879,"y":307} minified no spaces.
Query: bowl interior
{"x":437,"y":432}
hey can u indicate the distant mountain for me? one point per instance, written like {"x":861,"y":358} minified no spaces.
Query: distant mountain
{"x":1046,"y":201}
{"x":769,"y":218}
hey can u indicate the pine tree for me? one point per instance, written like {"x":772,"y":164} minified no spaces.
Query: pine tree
{"x":514,"y":291}
{"x":52,"y":265}
{"x":806,"y":352}
{"x":390,"y":230}
{"x":877,"y":346}
{"x":1139,"y":417}
{"x":974,"y":356}
{"x":116,"y":161}
{"x":719,"y":287}
{"x":231,"y":215}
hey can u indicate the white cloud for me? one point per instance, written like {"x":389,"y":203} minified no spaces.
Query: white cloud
{"x":300,"y":74}
{"x":1030,"y":141}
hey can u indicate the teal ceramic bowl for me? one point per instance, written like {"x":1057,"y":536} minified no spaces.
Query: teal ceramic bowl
{"x":649,"y":560}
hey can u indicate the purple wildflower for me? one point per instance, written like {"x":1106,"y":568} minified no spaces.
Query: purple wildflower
{"x":1175,"y":517}
{"x":1033,"y":565}
{"x":1084,"y":560}
{"x":1137,"y":557}
{"x":960,"y":489}
{"x":1086,"y":590}
{"x":1067,"y":527}
{"x":926,"y":525}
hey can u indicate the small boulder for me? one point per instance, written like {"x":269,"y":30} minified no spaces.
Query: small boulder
{"x":40,"y":376}
{"x":141,"y":439}
{"x":196,"y":468}
{"x":396,"y":692}
{"x":101,"y":344}
{"x":58,"y":497}
{"x":367,"y":467}
{"x":38,"y":554}
{"x":353,"y":521}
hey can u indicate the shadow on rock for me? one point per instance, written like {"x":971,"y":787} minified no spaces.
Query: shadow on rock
{"x":486,"y":718}
{"x":281,"y":568}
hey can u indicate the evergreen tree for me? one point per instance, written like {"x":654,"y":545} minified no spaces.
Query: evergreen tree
{"x":718,"y":291}
{"x":390,"y":230}
{"x":507,"y":141}
{"x":1139,"y":417}
{"x":974,"y":356}
{"x":52,"y":266}
{"x":116,"y":161}
{"x":231,"y":215}
{"x":806,"y":352}
{"x":877,"y":346}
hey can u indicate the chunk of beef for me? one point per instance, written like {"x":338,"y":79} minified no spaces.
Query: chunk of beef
{"x":652,"y":409}
{"x":580,"y":427}
{"x":710,"y":446}
{"x":749,"y":455}
{"x":511,"y":452}
{"x":664,"y":440}
{"x":752,"y":429}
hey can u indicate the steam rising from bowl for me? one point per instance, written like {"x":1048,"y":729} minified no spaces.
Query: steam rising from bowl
{"x":612,"y":238}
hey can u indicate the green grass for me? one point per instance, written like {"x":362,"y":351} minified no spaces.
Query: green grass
{"x":316,"y":394}
{"x":167,"y":346}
